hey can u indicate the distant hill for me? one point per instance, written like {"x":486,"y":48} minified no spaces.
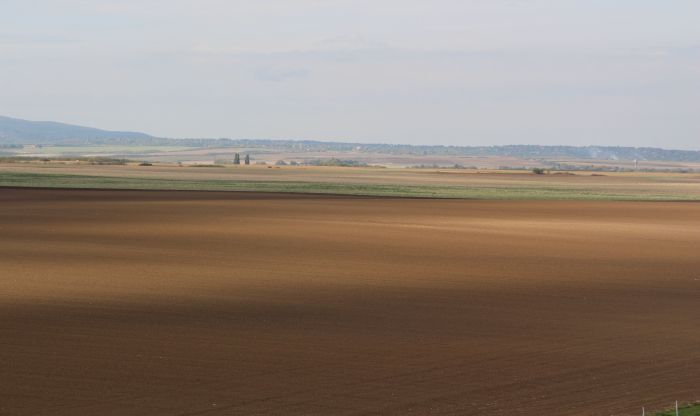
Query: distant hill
{"x":17,"y":131}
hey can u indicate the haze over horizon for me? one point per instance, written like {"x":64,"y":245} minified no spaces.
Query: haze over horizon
{"x":476,"y":72}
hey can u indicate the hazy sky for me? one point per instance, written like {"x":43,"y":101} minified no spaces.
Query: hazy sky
{"x":608,"y":72}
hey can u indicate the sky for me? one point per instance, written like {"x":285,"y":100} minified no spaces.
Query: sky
{"x":453,"y":72}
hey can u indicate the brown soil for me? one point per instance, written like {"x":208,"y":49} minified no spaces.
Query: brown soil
{"x":177,"y":303}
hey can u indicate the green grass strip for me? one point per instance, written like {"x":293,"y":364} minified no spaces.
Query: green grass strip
{"x":693,"y":410}
{"x":48,"y":180}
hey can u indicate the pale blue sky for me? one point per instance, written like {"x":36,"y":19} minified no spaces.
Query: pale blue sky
{"x":465,"y":72}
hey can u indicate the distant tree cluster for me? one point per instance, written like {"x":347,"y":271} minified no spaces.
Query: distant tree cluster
{"x":336,"y":162}
{"x":608,"y":168}
{"x":436,"y":166}
{"x":60,"y":159}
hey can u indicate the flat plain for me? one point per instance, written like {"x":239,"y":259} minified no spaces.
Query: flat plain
{"x":235,"y":303}
{"x":421,"y":183}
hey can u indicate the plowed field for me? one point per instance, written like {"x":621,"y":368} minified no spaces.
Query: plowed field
{"x":198,"y":303}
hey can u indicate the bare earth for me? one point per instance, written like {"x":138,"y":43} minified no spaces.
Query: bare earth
{"x":185,"y":303}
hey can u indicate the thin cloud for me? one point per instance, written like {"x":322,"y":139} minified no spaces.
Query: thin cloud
{"x":281,"y":74}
